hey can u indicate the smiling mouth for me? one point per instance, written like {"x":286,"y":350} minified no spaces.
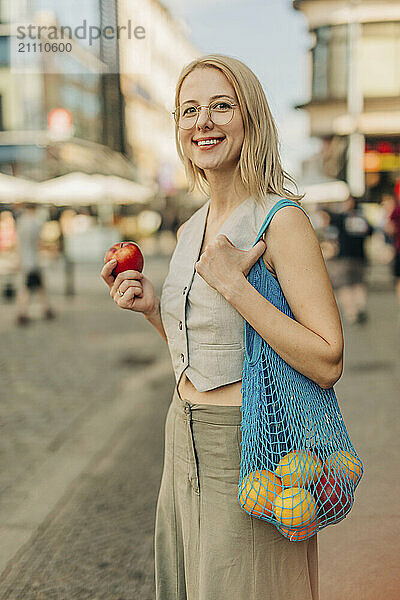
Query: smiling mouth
{"x":208,"y":143}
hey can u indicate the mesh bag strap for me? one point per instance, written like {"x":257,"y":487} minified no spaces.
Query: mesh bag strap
{"x":280,"y":204}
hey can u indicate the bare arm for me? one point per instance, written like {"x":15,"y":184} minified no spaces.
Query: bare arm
{"x":154,"y":317}
{"x":313,"y":343}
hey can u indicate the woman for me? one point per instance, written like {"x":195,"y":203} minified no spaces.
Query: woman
{"x":206,"y":546}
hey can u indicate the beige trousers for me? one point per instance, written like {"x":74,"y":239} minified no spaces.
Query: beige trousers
{"x":206,"y":546}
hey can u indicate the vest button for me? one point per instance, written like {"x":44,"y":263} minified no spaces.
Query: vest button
{"x":182,"y":357}
{"x":180,"y":325}
{"x":184,"y":290}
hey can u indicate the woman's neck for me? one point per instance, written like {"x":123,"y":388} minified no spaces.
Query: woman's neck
{"x":226,"y":193}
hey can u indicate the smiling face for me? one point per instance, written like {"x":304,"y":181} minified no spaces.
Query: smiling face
{"x":211,"y":147}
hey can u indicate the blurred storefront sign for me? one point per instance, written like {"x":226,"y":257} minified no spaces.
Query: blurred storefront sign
{"x":382,"y":155}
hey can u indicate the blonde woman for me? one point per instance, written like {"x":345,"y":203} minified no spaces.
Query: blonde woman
{"x":206,"y":546}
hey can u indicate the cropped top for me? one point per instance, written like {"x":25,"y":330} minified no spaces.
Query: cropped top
{"x":205,"y":333}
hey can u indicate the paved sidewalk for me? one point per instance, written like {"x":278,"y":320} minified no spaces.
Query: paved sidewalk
{"x":96,"y":541}
{"x":55,"y":373}
{"x":359,"y":556}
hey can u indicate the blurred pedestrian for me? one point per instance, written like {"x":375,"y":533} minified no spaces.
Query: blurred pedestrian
{"x":392,"y":228}
{"x":388,"y":204}
{"x":29,"y":227}
{"x":353,"y":231}
{"x":206,"y":546}
{"x":8,"y":240}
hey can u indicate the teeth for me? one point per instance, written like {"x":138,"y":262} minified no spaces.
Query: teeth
{"x":207,"y":142}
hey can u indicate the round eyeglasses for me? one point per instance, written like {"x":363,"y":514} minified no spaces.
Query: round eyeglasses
{"x":220,"y":112}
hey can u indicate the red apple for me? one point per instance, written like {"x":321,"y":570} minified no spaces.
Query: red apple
{"x":332,"y":500}
{"x":128,"y":255}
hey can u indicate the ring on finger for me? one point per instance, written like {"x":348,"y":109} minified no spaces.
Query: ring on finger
{"x":120,"y":293}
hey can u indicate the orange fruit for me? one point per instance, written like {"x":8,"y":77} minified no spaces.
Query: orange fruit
{"x":299,"y":534}
{"x":344,"y":465}
{"x":294,"y":507}
{"x":258,"y":492}
{"x":299,"y":468}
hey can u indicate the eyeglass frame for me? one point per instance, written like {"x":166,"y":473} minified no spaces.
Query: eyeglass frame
{"x":207,"y":106}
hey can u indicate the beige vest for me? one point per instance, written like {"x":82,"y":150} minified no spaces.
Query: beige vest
{"x":205,"y":333}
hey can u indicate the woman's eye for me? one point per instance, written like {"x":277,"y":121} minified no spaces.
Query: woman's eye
{"x":221,"y":105}
{"x":189,"y":110}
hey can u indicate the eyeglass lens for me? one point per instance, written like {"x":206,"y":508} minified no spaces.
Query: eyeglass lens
{"x":221,"y":113}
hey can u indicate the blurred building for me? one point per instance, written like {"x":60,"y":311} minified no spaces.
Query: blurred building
{"x":149,"y":95}
{"x":354,"y":105}
{"x":80,"y":85}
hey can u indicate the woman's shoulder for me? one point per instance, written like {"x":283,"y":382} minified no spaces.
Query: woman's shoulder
{"x":289,"y":220}
{"x":290,"y":223}
{"x":281,"y":212}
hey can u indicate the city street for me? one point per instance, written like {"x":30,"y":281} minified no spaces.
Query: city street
{"x":117,"y":119}
{"x":83,"y":403}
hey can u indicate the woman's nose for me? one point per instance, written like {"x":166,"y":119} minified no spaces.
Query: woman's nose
{"x":203,"y":118}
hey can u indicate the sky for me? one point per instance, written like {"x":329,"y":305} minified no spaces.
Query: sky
{"x":272,"y":39}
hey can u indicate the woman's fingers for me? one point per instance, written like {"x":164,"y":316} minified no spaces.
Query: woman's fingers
{"x":106,"y":272}
{"x":122,"y":277}
{"x":125,"y":301}
{"x":128,"y":275}
{"x":134,"y":295}
{"x":134,"y":287}
{"x":130,"y":283}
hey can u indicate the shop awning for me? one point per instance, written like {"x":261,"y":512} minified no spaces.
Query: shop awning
{"x":77,"y":189}
{"x":15,"y":189}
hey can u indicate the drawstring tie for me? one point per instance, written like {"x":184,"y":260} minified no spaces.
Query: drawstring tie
{"x":193,"y":475}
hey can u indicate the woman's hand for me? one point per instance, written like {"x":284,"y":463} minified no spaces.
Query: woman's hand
{"x":222,"y":264}
{"x":130,"y":289}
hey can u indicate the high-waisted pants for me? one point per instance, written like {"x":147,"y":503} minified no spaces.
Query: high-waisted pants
{"x":206,"y":546}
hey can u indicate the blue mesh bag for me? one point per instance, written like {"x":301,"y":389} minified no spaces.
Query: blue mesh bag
{"x":298,"y":468}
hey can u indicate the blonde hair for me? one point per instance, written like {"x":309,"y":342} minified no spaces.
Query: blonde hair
{"x":259,"y":166}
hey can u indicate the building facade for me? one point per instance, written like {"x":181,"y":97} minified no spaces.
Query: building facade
{"x":149,"y":94}
{"x":355,"y":90}
{"x":77,"y":82}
